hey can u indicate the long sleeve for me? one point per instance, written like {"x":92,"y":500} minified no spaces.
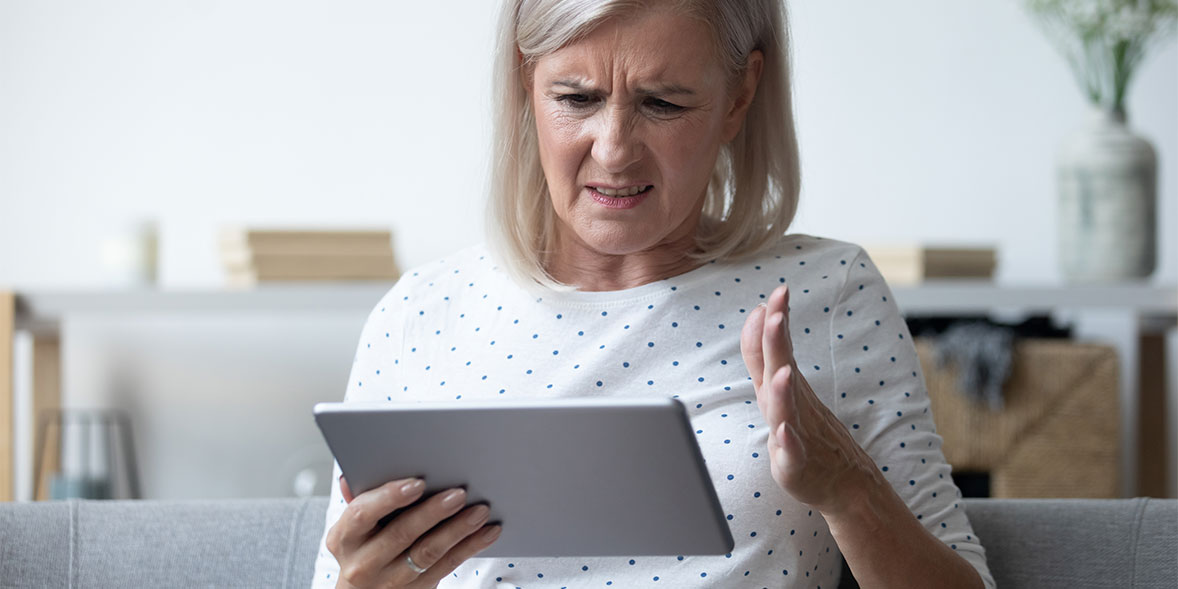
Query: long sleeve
{"x":880,"y":395}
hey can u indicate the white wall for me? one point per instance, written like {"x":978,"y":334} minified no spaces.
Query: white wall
{"x":929,"y":120}
{"x":926,"y":119}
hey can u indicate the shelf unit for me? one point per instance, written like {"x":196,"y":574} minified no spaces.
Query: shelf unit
{"x":1116,"y":314}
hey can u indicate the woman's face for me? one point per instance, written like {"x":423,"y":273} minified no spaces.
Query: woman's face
{"x":630,"y":120}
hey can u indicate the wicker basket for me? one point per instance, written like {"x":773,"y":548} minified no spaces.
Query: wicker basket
{"x":1058,"y":434}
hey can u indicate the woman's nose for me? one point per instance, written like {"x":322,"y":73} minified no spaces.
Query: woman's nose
{"x":616,"y":146}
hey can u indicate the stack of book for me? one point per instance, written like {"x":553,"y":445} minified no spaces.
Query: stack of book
{"x":913,"y":264}
{"x":253,"y":256}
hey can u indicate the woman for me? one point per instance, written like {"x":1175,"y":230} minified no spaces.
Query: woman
{"x":647,"y":169}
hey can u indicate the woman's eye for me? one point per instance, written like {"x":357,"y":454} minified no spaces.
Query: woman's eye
{"x":574,"y":100}
{"x":662,"y":106}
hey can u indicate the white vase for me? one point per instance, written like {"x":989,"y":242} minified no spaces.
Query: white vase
{"x":1107,"y":202}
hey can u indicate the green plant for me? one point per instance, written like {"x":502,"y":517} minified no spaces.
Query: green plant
{"x":1105,"y":40}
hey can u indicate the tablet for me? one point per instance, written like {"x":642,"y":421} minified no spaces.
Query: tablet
{"x":583,"y":477}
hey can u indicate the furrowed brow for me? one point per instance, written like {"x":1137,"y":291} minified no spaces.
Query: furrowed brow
{"x":667,"y":90}
{"x":656,"y":90}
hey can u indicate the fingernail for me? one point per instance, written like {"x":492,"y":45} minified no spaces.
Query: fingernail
{"x":413,"y":487}
{"x":478,"y":515}
{"x":453,"y":497}
{"x":491,"y":533}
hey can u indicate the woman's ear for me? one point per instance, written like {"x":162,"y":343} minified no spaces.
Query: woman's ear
{"x":745,"y":92}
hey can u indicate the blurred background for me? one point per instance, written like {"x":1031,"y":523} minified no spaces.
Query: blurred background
{"x":161,"y":122}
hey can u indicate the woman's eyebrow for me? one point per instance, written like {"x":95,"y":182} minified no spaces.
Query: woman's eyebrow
{"x":667,"y":90}
{"x":656,"y":90}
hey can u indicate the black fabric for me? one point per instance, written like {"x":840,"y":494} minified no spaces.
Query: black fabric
{"x":981,"y":349}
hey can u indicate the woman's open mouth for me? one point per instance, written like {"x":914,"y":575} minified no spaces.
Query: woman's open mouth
{"x":623,"y":198}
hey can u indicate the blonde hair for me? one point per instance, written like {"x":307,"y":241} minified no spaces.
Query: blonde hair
{"x":753,"y":193}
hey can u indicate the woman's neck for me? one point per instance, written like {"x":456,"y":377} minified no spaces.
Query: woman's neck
{"x":576,"y":264}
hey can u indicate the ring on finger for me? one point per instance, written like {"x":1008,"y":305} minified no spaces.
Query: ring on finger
{"x":413,"y":566}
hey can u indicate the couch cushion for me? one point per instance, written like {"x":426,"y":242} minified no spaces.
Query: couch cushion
{"x":273,"y":542}
{"x":34,"y":544}
{"x":1079,"y":542}
{"x":222,"y":543}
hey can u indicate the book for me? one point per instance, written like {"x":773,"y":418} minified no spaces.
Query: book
{"x":312,"y":266}
{"x":305,"y":241}
{"x":252,"y":256}
{"x":913,"y":264}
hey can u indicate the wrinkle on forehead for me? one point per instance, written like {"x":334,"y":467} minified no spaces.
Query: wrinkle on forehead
{"x":612,"y":54}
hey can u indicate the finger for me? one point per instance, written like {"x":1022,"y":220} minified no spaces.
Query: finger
{"x":386,"y":547}
{"x":776,"y":398}
{"x":778,"y":351}
{"x":361,"y":516}
{"x":463,"y":551}
{"x":345,"y":490}
{"x":793,"y":451}
{"x":778,"y":301}
{"x":786,"y":433}
{"x":784,"y":394}
{"x":750,"y":345}
{"x":430,"y":548}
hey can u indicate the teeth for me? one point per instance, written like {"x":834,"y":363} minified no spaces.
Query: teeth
{"x":631,"y":191}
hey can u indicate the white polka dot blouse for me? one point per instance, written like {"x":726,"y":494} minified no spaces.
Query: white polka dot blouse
{"x":459,"y":329}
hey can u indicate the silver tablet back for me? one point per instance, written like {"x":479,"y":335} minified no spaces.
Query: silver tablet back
{"x":586,"y":477}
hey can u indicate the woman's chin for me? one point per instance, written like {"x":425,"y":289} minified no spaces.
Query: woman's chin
{"x":621,"y":239}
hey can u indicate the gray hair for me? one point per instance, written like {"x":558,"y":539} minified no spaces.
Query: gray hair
{"x":753,"y":193}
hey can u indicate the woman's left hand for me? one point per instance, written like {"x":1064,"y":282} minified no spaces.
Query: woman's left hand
{"x":811,"y":453}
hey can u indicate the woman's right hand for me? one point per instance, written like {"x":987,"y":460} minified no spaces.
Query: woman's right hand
{"x":429,"y":535}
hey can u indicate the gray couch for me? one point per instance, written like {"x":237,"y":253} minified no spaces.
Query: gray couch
{"x":272,"y":543}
